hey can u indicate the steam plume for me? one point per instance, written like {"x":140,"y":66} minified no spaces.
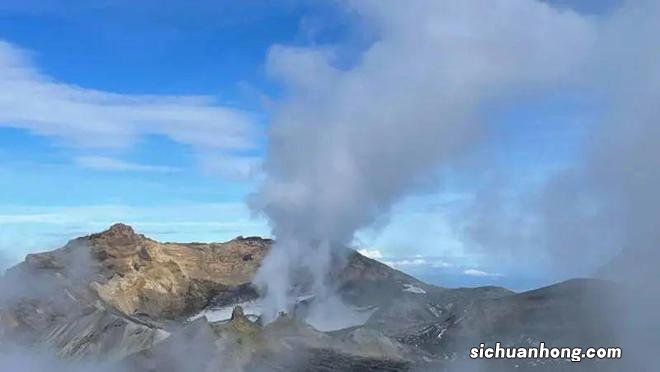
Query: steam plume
{"x":347,"y":143}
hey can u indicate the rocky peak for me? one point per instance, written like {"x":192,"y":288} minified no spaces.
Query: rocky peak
{"x":119,"y":249}
{"x":118,"y":233}
{"x":121,"y":228}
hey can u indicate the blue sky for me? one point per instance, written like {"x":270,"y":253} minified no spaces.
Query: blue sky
{"x":111,"y":75}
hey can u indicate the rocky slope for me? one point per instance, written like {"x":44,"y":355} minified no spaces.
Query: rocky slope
{"x":121,"y":298}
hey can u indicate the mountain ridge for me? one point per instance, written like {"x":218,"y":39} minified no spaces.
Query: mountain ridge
{"x":119,"y":296}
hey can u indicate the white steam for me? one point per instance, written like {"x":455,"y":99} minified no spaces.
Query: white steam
{"x":347,"y":143}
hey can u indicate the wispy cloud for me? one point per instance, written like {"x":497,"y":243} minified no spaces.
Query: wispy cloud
{"x":476,"y":272}
{"x":231,"y":167}
{"x":418,"y":261}
{"x":112,"y":164}
{"x":407,"y":262}
{"x":21,"y":218}
{"x":93,"y":118}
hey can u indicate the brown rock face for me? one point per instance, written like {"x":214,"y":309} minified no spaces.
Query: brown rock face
{"x":169,"y":280}
{"x":124,"y":273}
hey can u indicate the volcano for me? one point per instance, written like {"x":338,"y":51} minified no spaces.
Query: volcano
{"x":134,"y":304}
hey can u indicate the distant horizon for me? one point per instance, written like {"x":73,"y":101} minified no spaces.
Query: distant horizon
{"x":454,"y":278}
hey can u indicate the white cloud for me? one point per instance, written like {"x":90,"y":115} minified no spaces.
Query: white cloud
{"x":371,"y":253}
{"x":407,"y":262}
{"x":475,"y":272}
{"x":232,"y":167}
{"x":92,"y":118}
{"x":112,"y":164}
{"x":416,"y":261}
{"x":419,"y":261}
{"x":441,"y":264}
